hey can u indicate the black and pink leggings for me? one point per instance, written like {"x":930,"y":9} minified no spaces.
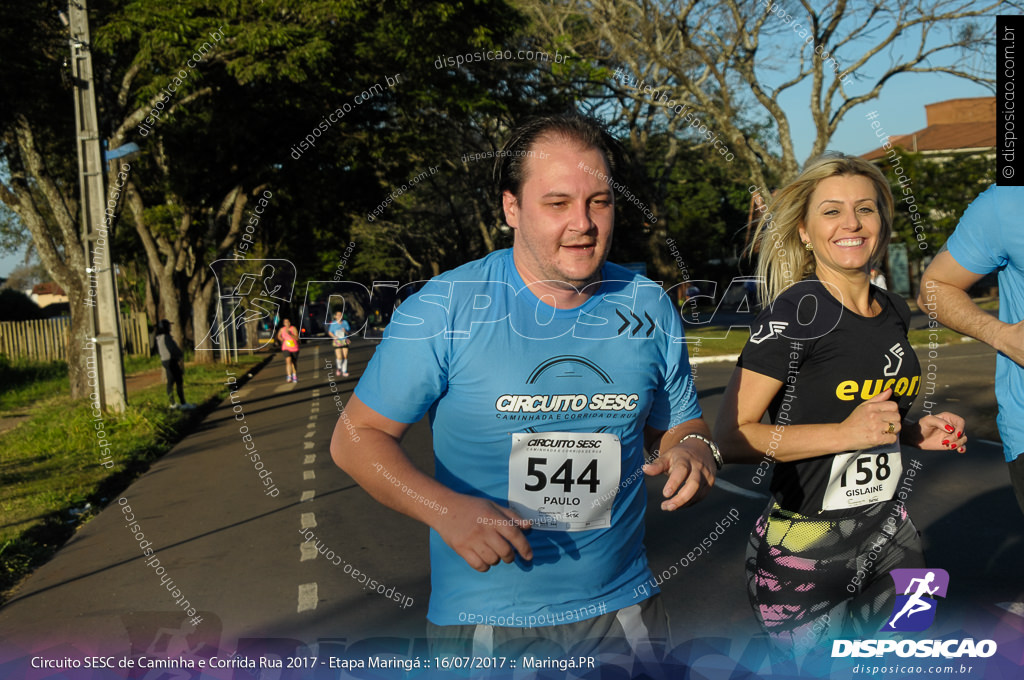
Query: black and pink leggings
{"x":811,"y":580}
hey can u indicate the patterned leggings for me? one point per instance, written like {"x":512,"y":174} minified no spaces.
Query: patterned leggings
{"x":813,"y":580}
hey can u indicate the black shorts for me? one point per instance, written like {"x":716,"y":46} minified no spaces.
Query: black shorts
{"x":1017,"y":478}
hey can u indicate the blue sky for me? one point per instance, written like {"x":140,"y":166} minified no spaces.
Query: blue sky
{"x":900,"y":104}
{"x":9,"y":262}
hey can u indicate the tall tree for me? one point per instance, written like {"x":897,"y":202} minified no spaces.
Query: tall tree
{"x":183,"y":77}
{"x":732,"y":63}
{"x":932,"y":191}
{"x":38,"y":166}
{"x":426,"y":200}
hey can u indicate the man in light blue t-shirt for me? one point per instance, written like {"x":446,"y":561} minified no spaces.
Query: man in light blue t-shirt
{"x":546,"y":371}
{"x":989,"y":238}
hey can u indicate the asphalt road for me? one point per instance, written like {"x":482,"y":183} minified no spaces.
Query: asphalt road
{"x":235,"y":554}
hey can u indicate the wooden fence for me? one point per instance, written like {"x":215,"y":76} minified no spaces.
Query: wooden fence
{"x":47,"y":339}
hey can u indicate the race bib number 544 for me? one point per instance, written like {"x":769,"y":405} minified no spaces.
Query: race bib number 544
{"x":564,"y":481}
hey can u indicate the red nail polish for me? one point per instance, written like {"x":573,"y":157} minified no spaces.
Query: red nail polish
{"x":949,"y":428}
{"x":959,"y":434}
{"x":952,"y":446}
{"x":945,"y":442}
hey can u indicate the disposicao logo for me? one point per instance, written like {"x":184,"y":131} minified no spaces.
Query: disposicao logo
{"x":913,"y":611}
{"x":915,"y":608}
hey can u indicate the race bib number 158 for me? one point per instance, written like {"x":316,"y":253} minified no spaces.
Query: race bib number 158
{"x":862,"y":477}
{"x":564,"y":481}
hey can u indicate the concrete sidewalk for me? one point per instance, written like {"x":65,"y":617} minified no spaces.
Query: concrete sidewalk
{"x":227,"y":545}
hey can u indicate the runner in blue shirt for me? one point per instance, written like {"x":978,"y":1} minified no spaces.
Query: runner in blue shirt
{"x":545,"y":372}
{"x":339,"y":330}
{"x":988,"y":239}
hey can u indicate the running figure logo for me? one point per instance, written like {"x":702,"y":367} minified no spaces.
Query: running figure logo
{"x":896,"y":351}
{"x":915,"y":608}
{"x":263,"y":287}
{"x":775,"y":329}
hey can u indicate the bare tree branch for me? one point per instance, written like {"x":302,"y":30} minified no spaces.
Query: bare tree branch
{"x":133,"y":119}
{"x":714,"y":57}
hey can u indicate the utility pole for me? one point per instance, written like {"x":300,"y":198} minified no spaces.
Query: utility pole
{"x":104,"y":319}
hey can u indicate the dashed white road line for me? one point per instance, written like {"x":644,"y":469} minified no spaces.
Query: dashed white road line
{"x":307,"y":551}
{"x":307,"y":597}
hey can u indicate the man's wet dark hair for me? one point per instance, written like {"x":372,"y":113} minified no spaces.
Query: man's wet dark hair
{"x":587,"y":132}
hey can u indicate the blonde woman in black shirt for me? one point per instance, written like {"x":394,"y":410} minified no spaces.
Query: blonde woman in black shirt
{"x":829,"y":361}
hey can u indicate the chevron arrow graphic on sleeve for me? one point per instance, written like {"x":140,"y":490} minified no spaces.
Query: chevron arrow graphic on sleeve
{"x":625,"y":322}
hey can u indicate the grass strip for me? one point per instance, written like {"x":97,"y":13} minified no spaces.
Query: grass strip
{"x":52,"y":476}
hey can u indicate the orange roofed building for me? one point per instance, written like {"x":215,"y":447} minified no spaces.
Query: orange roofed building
{"x":45,"y":294}
{"x":957,"y":125}
{"x":957,"y":128}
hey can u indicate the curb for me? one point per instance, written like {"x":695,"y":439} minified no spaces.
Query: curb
{"x":734,"y":357}
{"x":712,"y":359}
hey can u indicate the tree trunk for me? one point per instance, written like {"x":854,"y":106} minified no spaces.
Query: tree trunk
{"x":202,"y":285}
{"x":170,"y":306}
{"x":57,"y":240}
{"x":81,"y":354}
{"x":151,"y":306}
{"x":162,"y":272}
{"x":201,"y":307}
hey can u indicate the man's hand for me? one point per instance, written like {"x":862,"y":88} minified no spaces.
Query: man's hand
{"x":484,"y":533}
{"x":1010,"y":341}
{"x":691,"y":473}
{"x":481,"y":532}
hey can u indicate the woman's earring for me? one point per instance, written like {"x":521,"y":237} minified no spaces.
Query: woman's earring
{"x":808,"y":246}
